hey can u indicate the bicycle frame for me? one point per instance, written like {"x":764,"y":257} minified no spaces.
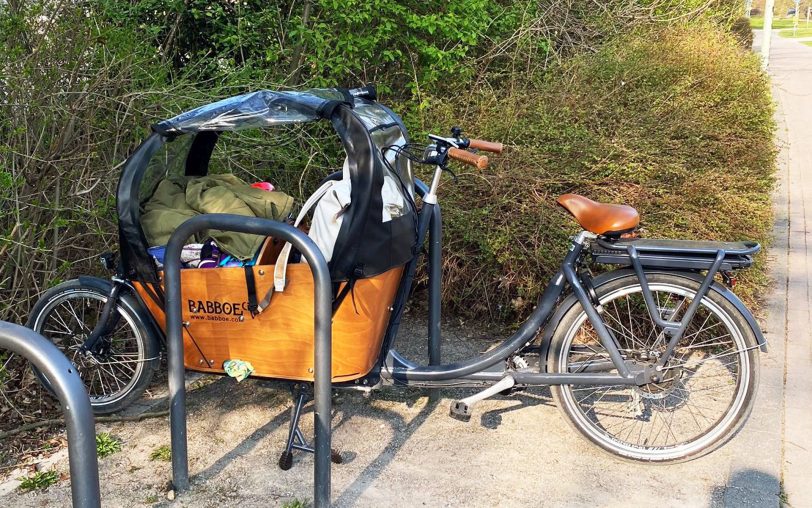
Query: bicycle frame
{"x":493,"y":366}
{"x":487,"y":368}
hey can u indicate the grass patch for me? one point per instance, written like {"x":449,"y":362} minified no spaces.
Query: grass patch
{"x":162,"y":453}
{"x":296,"y":503}
{"x":808,"y":43}
{"x":40,"y":480}
{"x":782,"y":495}
{"x":106,"y":445}
{"x":796,"y":34}
{"x":778,"y":23}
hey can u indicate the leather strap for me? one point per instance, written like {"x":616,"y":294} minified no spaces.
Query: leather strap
{"x":266,"y":301}
{"x":281,"y":266}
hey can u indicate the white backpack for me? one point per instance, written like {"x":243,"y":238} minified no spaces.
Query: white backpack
{"x":331,"y":200}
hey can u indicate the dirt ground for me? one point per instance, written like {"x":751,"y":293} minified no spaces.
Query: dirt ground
{"x":400,"y":449}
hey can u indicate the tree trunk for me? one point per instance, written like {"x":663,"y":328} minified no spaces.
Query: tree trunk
{"x":296,"y":59}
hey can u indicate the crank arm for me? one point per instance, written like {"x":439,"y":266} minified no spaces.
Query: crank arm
{"x":462,"y":409}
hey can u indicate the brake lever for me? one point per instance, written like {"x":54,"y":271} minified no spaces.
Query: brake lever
{"x":453,"y":142}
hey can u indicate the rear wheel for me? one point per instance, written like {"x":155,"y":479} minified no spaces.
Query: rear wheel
{"x":707,"y":388}
{"x":120,"y":372}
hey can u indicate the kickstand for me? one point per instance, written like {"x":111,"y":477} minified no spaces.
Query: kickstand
{"x":296,"y":439}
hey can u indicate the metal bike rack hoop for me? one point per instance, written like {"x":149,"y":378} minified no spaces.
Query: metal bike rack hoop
{"x":69,"y":389}
{"x":322,"y":377}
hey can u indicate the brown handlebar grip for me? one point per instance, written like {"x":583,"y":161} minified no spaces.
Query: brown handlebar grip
{"x":487,"y":146}
{"x":478,"y":161}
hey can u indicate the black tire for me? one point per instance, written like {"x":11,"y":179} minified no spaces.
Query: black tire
{"x":623,"y":420}
{"x":67,"y":313}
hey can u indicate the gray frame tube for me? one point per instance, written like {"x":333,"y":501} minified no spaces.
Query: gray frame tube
{"x":524,"y":335}
{"x":605,"y":336}
{"x":435,"y":284}
{"x":405,"y":373}
{"x":676,"y":328}
{"x":70,"y":390}
{"x":670,"y":328}
{"x":322,"y":381}
{"x":435,"y":263}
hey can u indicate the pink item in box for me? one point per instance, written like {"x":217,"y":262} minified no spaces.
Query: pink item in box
{"x":266,"y":186}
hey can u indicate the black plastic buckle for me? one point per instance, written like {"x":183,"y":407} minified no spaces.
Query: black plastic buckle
{"x":108,"y":260}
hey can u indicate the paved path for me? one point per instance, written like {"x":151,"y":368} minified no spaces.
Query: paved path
{"x":791,"y":71}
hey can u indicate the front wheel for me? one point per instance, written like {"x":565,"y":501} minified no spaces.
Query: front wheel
{"x":708,"y":385}
{"x":120,"y":372}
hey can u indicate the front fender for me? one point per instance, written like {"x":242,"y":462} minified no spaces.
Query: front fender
{"x":607,"y":277}
{"x":132,"y":299}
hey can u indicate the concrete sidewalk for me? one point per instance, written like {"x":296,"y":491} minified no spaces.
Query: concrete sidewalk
{"x":791,"y":71}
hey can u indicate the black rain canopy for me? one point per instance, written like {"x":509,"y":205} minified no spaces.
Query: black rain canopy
{"x":369,"y":242}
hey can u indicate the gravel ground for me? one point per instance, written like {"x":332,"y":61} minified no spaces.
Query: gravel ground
{"x":400,"y":449}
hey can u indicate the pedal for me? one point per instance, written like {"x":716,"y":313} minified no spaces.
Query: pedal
{"x":463,"y":408}
{"x":460,"y":411}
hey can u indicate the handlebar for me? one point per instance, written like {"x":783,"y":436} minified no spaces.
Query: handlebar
{"x":478,"y":161}
{"x":456,"y":147}
{"x":486,"y":146}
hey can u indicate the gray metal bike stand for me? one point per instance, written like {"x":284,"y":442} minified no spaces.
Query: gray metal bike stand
{"x":69,"y":389}
{"x":322,"y":376}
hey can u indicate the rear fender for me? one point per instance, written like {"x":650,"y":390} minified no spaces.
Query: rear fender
{"x":607,"y":277}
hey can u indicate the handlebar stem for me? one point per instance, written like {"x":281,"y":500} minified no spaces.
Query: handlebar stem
{"x":431,"y":196}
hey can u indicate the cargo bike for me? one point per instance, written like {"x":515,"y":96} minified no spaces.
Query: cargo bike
{"x":653,"y":359}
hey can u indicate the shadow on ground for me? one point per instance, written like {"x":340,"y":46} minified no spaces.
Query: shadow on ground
{"x":749,"y":487}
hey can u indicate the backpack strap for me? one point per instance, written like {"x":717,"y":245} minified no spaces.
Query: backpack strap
{"x":251,"y":284}
{"x":281,"y":266}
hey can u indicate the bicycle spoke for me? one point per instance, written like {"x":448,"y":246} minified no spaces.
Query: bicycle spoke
{"x":108,"y":370}
{"x":57,"y":317}
{"x":58,"y":332}
{"x":79,"y":321}
{"x":112,"y":370}
{"x":696,"y":388}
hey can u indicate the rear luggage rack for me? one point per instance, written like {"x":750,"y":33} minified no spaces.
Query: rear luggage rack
{"x":685,"y":254}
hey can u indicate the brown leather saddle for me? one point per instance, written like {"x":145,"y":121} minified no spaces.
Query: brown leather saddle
{"x":600,"y":218}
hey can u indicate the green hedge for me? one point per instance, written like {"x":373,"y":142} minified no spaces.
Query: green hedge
{"x":636,"y":117}
{"x":676,"y":122}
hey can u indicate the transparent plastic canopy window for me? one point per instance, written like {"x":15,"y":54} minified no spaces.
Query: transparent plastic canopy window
{"x":266,"y":108}
{"x":263,"y":108}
